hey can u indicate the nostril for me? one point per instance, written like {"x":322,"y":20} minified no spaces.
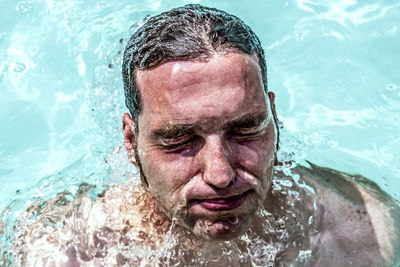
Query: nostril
{"x":220,"y":180}
{"x":219,"y":186}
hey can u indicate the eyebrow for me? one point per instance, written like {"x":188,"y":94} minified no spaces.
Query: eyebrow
{"x":179,"y":130}
{"x":175,"y":131}
{"x":247,"y":121}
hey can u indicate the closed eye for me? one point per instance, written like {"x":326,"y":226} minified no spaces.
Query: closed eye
{"x":249,"y":127}
{"x":177,"y":145}
{"x":243,"y":133}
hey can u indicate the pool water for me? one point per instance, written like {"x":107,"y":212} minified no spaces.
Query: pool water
{"x":333,"y":66}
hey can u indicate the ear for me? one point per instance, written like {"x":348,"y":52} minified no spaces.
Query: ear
{"x":271,"y":97}
{"x":128,"y":126}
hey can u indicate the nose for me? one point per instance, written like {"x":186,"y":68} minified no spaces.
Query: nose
{"x":218,"y":171}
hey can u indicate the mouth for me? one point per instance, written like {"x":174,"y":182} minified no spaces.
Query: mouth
{"x":222,"y":204}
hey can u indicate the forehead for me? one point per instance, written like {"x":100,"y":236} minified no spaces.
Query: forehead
{"x":221,"y":87}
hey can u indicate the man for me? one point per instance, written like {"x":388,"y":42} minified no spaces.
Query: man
{"x":202,"y":130}
{"x":204,"y":137}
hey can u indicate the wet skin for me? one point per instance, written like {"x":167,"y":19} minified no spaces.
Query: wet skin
{"x":206,"y":141}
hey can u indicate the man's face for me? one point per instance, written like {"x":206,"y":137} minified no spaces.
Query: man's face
{"x":206,"y":141}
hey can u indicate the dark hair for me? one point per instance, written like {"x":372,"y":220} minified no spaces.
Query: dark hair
{"x":188,"y":32}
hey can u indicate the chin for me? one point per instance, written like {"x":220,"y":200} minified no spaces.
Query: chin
{"x":222,"y":229}
{"x":223,"y":225}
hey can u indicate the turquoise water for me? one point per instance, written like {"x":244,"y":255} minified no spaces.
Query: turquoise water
{"x":332,"y":64}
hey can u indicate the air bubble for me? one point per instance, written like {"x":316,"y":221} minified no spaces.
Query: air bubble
{"x":19,"y":67}
{"x":101,"y":5}
{"x":299,"y":36}
{"x":24,"y":7}
{"x":391,"y":87}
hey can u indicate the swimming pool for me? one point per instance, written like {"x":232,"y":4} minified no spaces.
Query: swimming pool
{"x":331,"y":64}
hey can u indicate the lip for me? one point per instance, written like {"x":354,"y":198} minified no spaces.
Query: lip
{"x":222,"y":204}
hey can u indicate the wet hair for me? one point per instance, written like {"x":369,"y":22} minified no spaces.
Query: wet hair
{"x":188,"y":32}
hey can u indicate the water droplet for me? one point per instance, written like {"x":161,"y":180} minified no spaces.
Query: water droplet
{"x":391,"y":87}
{"x":24,"y":7}
{"x":101,"y":5}
{"x":299,"y":36}
{"x":19,"y":67}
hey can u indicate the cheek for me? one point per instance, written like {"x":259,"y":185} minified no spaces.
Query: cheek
{"x":166,"y":173}
{"x":257,"y":155}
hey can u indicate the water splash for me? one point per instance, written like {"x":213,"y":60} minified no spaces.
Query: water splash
{"x":85,"y":224}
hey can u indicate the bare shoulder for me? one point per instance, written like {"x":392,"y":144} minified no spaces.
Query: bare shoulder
{"x":358,"y":221}
{"x":137,"y":210}
{"x":81,"y":229}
